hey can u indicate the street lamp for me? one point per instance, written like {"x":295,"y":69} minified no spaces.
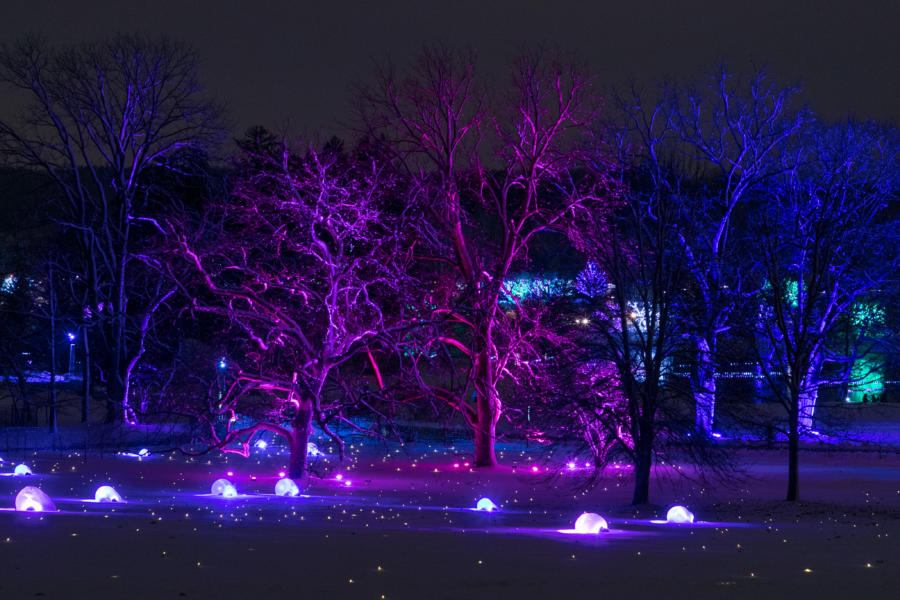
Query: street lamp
{"x":71,"y":337}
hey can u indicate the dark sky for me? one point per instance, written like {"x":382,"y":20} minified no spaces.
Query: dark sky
{"x":290,"y":63}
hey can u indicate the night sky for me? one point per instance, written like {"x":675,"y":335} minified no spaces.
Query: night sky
{"x":290,"y":64}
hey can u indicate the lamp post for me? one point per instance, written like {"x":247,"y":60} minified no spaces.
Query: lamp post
{"x":71,"y":337}
{"x":221,"y":368}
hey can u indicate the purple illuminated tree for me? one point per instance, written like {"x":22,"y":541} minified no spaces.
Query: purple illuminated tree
{"x":490,"y":174}
{"x":98,"y":119}
{"x":824,"y":238}
{"x":302,"y":267}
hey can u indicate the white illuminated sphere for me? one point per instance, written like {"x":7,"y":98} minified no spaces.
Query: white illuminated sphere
{"x":486,"y":504}
{"x":223,"y":487}
{"x":32,"y":498}
{"x":107,"y":493}
{"x":286,"y":487}
{"x":590,"y":523}
{"x":679,"y":514}
{"x":22,"y":470}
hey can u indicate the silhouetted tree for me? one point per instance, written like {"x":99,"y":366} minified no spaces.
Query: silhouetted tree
{"x":98,"y":118}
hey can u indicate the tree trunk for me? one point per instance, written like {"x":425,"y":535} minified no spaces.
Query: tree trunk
{"x":705,"y":387}
{"x":485,"y":432}
{"x":487,"y":406}
{"x":53,"y":396}
{"x":793,"y":450}
{"x":113,"y":395}
{"x":643,"y":462}
{"x":809,"y":394}
{"x":86,"y":379}
{"x":299,"y":440}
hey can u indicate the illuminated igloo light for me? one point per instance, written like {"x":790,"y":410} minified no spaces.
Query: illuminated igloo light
{"x":143,"y":453}
{"x":679,"y":514}
{"x":32,"y":498}
{"x":590,"y":523}
{"x":286,"y":487}
{"x":223,"y":487}
{"x":107,"y":493}
{"x":313,"y":450}
{"x":22,"y":470}
{"x":486,"y":504}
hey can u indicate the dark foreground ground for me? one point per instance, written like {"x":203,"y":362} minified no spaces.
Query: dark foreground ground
{"x":403,"y":530}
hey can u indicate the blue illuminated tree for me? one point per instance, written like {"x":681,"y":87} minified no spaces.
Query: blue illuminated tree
{"x":729,"y":130}
{"x":825,"y":239}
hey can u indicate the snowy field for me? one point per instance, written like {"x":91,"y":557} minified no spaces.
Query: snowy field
{"x":403,"y":527}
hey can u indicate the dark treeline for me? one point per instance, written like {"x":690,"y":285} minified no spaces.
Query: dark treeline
{"x":513,"y":256}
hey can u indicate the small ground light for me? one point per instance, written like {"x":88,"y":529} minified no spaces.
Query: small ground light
{"x":486,"y":504}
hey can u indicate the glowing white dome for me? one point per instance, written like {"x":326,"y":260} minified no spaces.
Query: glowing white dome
{"x":486,"y":504}
{"x":107,"y":493}
{"x":143,"y":452}
{"x":312,"y":449}
{"x":223,"y":487}
{"x":679,"y":514}
{"x":22,"y":470}
{"x":32,"y":498}
{"x":286,"y":487}
{"x":590,"y":523}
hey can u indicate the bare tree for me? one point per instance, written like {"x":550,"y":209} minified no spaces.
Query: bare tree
{"x":490,"y":178}
{"x":824,"y":240}
{"x":304,"y":264}
{"x":98,"y":117}
{"x":637,"y":326}
{"x":729,"y":130}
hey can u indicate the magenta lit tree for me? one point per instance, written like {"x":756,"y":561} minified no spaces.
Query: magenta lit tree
{"x":491,"y":169}
{"x":302,"y":266}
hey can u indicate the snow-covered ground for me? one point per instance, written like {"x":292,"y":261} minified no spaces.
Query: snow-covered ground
{"x":401,"y":526}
